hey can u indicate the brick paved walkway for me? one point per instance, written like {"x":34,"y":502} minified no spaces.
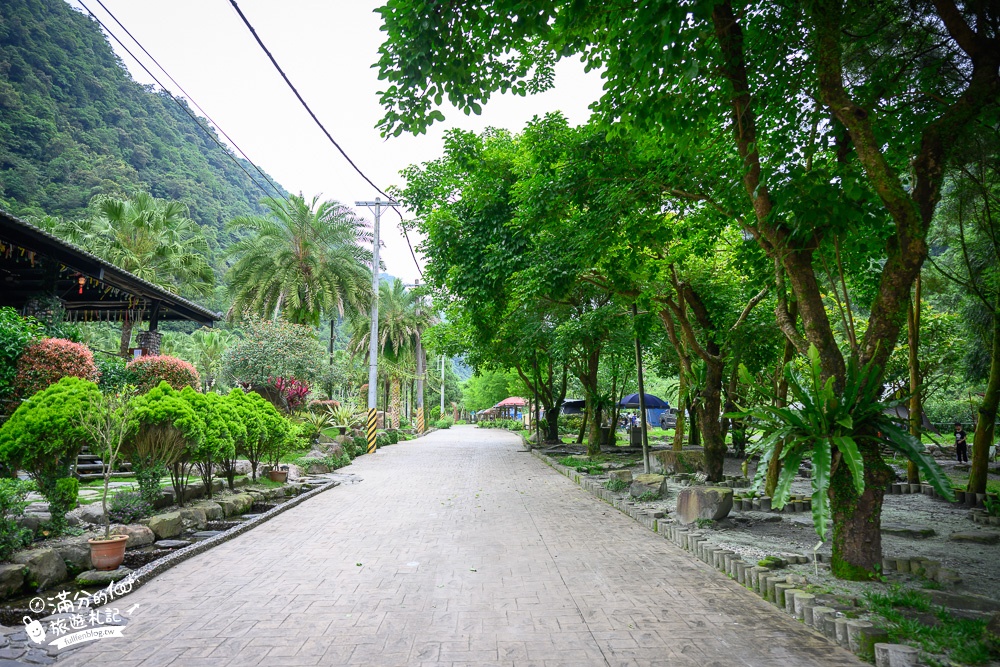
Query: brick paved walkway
{"x":455,"y":550}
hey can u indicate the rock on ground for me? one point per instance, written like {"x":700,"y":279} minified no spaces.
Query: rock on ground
{"x":166,"y":525}
{"x":102,"y":578}
{"x":704,"y":502}
{"x":11,"y":579}
{"x":648,"y":483}
{"x":977,"y":536}
{"x":45,"y":567}
{"x":138,"y":535}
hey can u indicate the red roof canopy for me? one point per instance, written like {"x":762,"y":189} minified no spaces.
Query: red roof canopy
{"x":512,"y":402}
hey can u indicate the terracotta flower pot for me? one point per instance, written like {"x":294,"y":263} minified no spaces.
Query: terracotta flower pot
{"x":278,"y":475}
{"x":108,"y":554}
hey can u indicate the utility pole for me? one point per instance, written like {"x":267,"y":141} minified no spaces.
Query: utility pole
{"x":420,"y":371}
{"x":376,"y":207}
{"x":442,"y":386}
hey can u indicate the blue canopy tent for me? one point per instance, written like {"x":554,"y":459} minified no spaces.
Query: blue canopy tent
{"x":655,"y":407}
{"x":652,"y":402}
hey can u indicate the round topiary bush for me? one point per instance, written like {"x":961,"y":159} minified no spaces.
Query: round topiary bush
{"x":44,"y":436}
{"x":47,"y":361}
{"x":147,"y":372}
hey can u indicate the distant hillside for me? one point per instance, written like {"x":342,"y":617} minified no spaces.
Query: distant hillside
{"x":74,"y":124}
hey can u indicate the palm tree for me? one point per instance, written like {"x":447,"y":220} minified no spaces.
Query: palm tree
{"x":207,"y":347}
{"x":151,"y":238}
{"x":399,"y":323}
{"x":301,"y":261}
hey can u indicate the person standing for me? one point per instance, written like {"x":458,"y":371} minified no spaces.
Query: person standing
{"x":961,"y":444}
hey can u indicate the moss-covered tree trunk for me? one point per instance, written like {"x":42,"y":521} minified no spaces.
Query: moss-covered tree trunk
{"x":857,"y":519}
{"x":395,"y":401}
{"x":987,"y":416}
{"x":709,"y":411}
{"x":587,"y":374}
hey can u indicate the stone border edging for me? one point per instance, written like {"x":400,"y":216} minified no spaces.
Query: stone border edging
{"x":160,"y":565}
{"x":860,"y":637}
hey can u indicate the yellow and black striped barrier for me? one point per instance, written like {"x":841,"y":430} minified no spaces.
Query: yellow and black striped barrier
{"x":420,"y":420}
{"x":372,"y":427}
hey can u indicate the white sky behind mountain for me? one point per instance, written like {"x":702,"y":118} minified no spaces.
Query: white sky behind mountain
{"x":327,"y":49}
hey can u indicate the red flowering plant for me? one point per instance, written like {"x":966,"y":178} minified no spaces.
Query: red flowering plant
{"x":47,"y":361}
{"x":293,"y":391}
{"x":147,"y":372}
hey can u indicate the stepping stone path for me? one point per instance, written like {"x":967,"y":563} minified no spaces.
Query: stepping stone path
{"x":172,"y":544}
{"x":978,"y":536}
{"x":915,"y":532}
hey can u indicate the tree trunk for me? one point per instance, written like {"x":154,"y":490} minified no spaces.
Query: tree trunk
{"x":395,"y":401}
{"x":916,"y":404}
{"x":583,"y":424}
{"x":987,"y":415}
{"x":774,"y":466}
{"x":594,"y":435}
{"x":681,"y":407}
{"x":588,"y":378}
{"x":694,"y":440}
{"x":709,"y":411}
{"x":126,"y":341}
{"x":857,"y":519}
{"x":552,"y":426}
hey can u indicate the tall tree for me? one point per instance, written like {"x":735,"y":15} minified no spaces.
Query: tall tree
{"x":970,"y":231}
{"x":301,"y":261}
{"x":148,"y":237}
{"x":783,"y":118}
{"x":400,"y":321}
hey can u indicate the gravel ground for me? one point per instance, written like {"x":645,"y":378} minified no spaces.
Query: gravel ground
{"x":758,"y":534}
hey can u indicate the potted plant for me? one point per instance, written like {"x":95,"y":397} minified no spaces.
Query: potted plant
{"x":107,"y":423}
{"x":341,"y":416}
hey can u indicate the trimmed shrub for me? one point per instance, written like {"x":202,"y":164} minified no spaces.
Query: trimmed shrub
{"x":360,"y":447}
{"x":164,"y":430}
{"x":509,"y":424}
{"x":47,"y":361}
{"x":222,"y":428}
{"x":147,"y":372}
{"x":443,"y":423}
{"x":381,"y":440}
{"x":44,"y":436}
{"x":393,"y":436}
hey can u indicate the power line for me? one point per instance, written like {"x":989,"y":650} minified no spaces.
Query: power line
{"x":277,"y":190}
{"x":309,"y":110}
{"x":176,"y":101}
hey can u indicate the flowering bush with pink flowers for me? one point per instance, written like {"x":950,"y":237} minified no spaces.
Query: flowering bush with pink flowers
{"x":293,"y":391}
{"x":47,"y":361}
{"x":147,"y":372}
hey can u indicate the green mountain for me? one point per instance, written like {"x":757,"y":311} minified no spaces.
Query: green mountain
{"x":74,"y":124}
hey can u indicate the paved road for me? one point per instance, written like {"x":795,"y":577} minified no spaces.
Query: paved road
{"x":455,"y":550}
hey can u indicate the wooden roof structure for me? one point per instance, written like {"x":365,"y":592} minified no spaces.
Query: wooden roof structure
{"x":36,"y":265}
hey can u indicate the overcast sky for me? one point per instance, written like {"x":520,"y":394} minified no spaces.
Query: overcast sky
{"x":327,"y":48}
